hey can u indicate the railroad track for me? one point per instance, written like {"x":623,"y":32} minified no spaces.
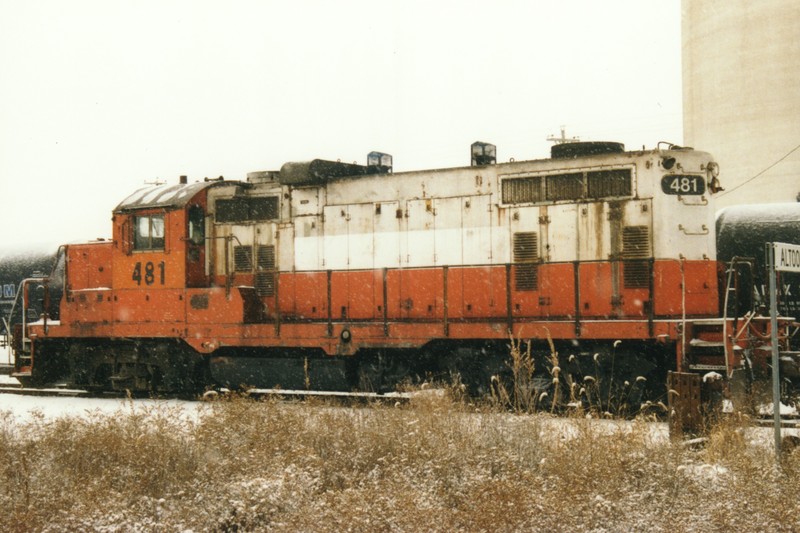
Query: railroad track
{"x":57,"y":390}
{"x":787,"y":421}
{"x":50,"y":391}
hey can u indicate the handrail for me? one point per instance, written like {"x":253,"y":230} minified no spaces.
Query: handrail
{"x":682,"y":262}
{"x":735,"y":260}
{"x":731,"y":268}
{"x":6,"y":341}
{"x":229,"y":273}
{"x":683,"y":305}
{"x":20,"y":291}
{"x":748,"y":316}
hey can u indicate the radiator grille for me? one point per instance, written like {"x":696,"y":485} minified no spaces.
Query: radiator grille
{"x":609,"y":183}
{"x":565,"y":186}
{"x":593,"y":185}
{"x":522,"y":190}
{"x":243,"y":209}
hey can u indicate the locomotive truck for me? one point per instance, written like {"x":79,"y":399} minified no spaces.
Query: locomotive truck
{"x":335,"y":276}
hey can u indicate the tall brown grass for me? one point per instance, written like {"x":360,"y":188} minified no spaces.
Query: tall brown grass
{"x":522,"y":391}
{"x":434,"y":464}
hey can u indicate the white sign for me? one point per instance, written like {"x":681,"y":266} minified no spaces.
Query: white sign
{"x":787,"y":257}
{"x":8,"y":290}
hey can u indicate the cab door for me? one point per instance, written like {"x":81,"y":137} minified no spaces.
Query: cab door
{"x":195,"y":243}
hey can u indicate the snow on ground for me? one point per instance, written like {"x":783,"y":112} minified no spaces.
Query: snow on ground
{"x":55,"y":407}
{"x":6,"y":381}
{"x":22,"y":408}
{"x":25,"y":407}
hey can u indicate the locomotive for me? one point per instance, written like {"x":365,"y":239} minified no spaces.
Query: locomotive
{"x":335,"y":276}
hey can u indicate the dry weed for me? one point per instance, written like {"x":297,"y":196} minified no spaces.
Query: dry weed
{"x":433,"y":464}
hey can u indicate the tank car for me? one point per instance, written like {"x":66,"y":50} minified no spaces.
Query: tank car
{"x":744,"y":230}
{"x":21,"y":273}
{"x":337,"y":276}
{"x":742,"y":234}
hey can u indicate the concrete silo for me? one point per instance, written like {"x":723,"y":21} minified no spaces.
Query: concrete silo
{"x":741,"y":94}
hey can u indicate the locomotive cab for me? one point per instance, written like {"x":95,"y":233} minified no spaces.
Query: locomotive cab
{"x":160,"y":238}
{"x":134,"y":288}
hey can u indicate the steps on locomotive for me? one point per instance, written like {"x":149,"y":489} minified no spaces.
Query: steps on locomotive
{"x":24,"y":365}
{"x":705,"y":350}
{"x":790,"y":364}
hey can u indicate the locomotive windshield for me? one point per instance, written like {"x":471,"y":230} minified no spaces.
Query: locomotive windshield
{"x":149,"y":232}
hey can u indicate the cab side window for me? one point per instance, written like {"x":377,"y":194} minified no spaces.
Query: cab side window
{"x":148,"y":233}
{"x":197,"y":223}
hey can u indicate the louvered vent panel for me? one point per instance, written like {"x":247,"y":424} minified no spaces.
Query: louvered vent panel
{"x":526,"y":257}
{"x":609,"y":183}
{"x":243,"y":258}
{"x":636,"y":245}
{"x":265,"y":283}
{"x":266,"y":258}
{"x":526,"y":247}
{"x":265,"y":266}
{"x":526,"y":277}
{"x":636,"y":274}
{"x":635,"y":242}
{"x":565,"y":186}
{"x":263,"y":208}
{"x":522,"y":190}
{"x":241,"y":209}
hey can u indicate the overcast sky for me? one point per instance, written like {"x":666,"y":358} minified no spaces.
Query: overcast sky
{"x":99,"y":97}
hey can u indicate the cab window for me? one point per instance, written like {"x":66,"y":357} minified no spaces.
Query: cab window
{"x":197,"y":223}
{"x":149,"y":232}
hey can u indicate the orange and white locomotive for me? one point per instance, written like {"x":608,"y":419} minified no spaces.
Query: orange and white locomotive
{"x":335,"y":276}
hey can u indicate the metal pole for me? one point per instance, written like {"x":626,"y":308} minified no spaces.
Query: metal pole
{"x":773,"y":312}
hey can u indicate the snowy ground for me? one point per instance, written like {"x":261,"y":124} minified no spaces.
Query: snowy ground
{"x":23,"y":407}
{"x":50,"y":408}
{"x":292,"y":466}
